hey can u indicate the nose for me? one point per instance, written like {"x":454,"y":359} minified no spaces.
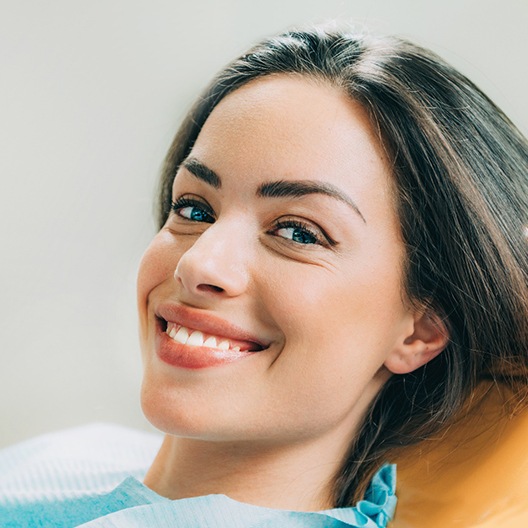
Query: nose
{"x":216,"y":263}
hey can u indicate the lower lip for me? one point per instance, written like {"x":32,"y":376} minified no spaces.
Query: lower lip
{"x":195,"y":357}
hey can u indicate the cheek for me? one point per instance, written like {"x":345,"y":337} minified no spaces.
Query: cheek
{"x":357,"y":309}
{"x":157,"y":265}
{"x":338,"y":332}
{"x":334,"y":305}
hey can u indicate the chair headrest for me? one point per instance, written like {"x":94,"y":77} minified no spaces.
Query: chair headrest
{"x":473,"y":475}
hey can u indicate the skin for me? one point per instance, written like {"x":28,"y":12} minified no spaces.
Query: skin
{"x":272,"y":428}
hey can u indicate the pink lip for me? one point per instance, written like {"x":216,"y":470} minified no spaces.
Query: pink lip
{"x":206,"y":323}
{"x":195,"y":357}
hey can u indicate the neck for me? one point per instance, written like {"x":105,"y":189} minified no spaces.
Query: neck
{"x":295,"y":477}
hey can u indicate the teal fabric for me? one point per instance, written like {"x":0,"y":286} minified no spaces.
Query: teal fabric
{"x":50,"y":499}
{"x":72,"y":512}
{"x":132,"y":504}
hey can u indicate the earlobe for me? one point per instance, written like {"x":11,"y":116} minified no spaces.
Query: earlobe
{"x":429,"y":337}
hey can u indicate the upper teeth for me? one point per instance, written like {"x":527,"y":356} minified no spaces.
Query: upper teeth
{"x":187,"y":336}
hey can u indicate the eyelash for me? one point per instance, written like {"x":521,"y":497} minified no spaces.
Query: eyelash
{"x":183,"y":202}
{"x":320,"y":239}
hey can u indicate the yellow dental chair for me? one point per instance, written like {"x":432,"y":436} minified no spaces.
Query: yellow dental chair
{"x":474,"y":476}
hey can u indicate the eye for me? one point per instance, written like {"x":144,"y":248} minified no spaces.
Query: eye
{"x":192,"y":210}
{"x":299,"y":233}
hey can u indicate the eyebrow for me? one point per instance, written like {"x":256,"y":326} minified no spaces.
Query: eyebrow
{"x":298,"y":188}
{"x":198,"y":169}
{"x":276,"y":189}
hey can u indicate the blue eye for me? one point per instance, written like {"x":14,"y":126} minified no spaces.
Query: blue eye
{"x":192,"y":210}
{"x":297,"y":232}
{"x":194,"y":213}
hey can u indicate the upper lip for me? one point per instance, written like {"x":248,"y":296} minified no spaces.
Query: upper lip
{"x":205,"y":322}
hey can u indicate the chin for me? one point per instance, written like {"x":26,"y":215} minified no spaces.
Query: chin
{"x":177,"y":414}
{"x":163,"y":410}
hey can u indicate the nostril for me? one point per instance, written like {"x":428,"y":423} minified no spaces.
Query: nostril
{"x":210,"y":288}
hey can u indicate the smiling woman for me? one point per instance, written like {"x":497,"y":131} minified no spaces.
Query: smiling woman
{"x":258,"y":257}
{"x":341,"y":261}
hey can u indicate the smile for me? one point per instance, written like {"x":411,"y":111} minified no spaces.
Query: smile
{"x":190,"y":348}
{"x":194,"y":339}
{"x":190,"y":337}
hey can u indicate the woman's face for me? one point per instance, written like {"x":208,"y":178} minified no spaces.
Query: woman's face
{"x":281,"y":263}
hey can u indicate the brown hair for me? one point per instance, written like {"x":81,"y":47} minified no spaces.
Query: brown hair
{"x":461,"y":171}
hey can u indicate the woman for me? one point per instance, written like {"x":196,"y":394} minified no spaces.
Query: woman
{"x":341,"y":260}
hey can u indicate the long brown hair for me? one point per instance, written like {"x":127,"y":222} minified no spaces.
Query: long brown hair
{"x":461,"y":169}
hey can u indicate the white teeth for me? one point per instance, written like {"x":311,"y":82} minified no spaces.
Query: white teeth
{"x":223,"y":345}
{"x":196,"y":338}
{"x":181,"y":336}
{"x":210,"y":342}
{"x":187,"y":336}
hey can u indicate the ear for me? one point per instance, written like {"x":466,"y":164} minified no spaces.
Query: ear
{"x":428,"y":338}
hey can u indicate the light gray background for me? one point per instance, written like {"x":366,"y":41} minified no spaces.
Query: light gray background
{"x":91,"y":93}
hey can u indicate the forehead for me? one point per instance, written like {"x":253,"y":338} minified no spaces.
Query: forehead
{"x":294,"y":127}
{"x":295,"y":112}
